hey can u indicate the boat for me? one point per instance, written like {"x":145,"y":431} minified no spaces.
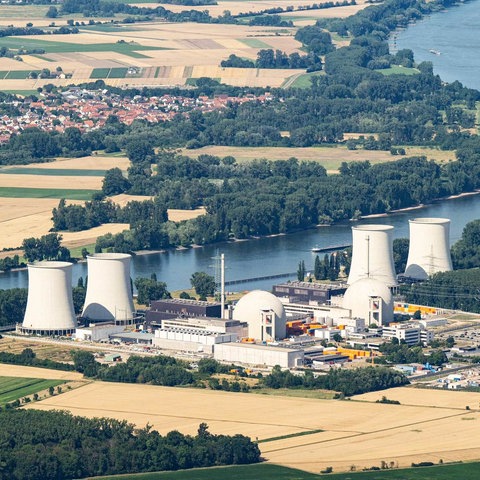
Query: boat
{"x":329,"y":248}
{"x":435,"y":52}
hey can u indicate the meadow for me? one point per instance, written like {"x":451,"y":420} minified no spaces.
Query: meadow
{"x":463,"y":471}
{"x":12,"y":388}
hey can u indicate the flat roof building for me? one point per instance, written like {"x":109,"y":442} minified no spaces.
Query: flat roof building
{"x":307,"y":292}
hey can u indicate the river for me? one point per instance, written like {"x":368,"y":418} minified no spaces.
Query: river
{"x":454,"y":33}
{"x":272,"y":255}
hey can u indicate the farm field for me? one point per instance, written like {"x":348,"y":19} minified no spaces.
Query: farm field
{"x":12,"y":388}
{"x":354,"y":433}
{"x":463,"y":471}
{"x":162,"y":54}
{"x":330,"y":157}
{"x":236,"y":7}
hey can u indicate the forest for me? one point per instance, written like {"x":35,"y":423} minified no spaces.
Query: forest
{"x":43,"y":445}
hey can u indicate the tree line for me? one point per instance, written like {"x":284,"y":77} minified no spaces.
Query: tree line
{"x":348,"y":382}
{"x":56,"y":444}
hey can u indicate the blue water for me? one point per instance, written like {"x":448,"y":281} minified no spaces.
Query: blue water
{"x":455,"y":33}
{"x":269,"y":256}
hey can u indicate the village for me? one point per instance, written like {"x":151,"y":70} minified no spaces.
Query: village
{"x":88,"y":109}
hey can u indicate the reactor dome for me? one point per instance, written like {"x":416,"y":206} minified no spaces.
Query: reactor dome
{"x":264,"y":314}
{"x":370,"y":299}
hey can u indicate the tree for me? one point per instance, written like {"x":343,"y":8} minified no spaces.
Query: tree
{"x":317,"y":269}
{"x":149,"y":289}
{"x":203,"y":284}
{"x":84,"y":362}
{"x":301,"y":271}
{"x":114,"y":182}
{"x":52,"y":12}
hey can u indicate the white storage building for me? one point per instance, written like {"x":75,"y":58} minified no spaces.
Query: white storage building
{"x":259,"y":355}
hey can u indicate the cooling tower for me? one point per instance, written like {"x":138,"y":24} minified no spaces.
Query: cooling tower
{"x":50,"y":305}
{"x":429,"y":250}
{"x":372,"y":254}
{"x":109,"y":294}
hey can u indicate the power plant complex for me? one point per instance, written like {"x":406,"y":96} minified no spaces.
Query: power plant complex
{"x":260,"y":326}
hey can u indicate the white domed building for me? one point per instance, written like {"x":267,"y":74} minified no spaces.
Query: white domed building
{"x":264,"y":314}
{"x":369,"y":299}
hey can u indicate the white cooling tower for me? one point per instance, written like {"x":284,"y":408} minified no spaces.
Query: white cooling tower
{"x":429,"y":250}
{"x":372,"y":254}
{"x":50,"y":304}
{"x":109,"y":294}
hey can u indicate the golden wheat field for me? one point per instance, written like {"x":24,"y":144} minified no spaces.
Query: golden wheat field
{"x":356,"y":433}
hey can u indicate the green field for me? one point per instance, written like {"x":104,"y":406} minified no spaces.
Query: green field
{"x":53,"y":172}
{"x":303,"y":81}
{"x":398,"y":70}
{"x":16,"y":74}
{"x":254,"y":43}
{"x":119,"y":72}
{"x":12,"y":388}
{"x":13,"y":192}
{"x":23,"y":93}
{"x":100,"y":73}
{"x":130,"y":49}
{"x":461,"y":471}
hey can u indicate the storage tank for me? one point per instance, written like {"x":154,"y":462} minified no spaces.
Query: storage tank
{"x":372,"y":254}
{"x":429,"y":250}
{"x":50,"y":303}
{"x":109,"y":293}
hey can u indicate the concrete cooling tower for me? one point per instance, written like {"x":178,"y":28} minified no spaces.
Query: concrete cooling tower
{"x":372,"y":254}
{"x":429,"y":250}
{"x":50,"y":304}
{"x":109,"y":294}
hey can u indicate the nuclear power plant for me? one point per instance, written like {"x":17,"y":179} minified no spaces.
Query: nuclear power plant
{"x":372,"y":254}
{"x":49,"y":308}
{"x":109,"y":293}
{"x":429,"y":250}
{"x":262,"y":328}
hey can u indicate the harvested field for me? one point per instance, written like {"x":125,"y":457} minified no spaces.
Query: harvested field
{"x":354,"y":433}
{"x":33,"y":372}
{"x":162,"y":51}
{"x":236,"y":7}
{"x":85,"y":237}
{"x":176,"y":215}
{"x":425,"y":397}
{"x":50,"y":182}
{"x":330,"y":157}
{"x":92,"y":162}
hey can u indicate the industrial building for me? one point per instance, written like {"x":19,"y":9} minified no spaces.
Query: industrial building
{"x":49,"y":308}
{"x":258,"y":355}
{"x":372,"y":254}
{"x":171,"y":308}
{"x":429,"y":250}
{"x":371,"y":300}
{"x":308,"y":292}
{"x":97,"y":333}
{"x":109,"y":292}
{"x":191,"y":340}
{"x":410,"y":333}
{"x":264,"y":314}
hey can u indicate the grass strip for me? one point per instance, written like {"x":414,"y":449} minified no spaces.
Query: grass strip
{"x":291,"y":435}
{"x":14,"y":192}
